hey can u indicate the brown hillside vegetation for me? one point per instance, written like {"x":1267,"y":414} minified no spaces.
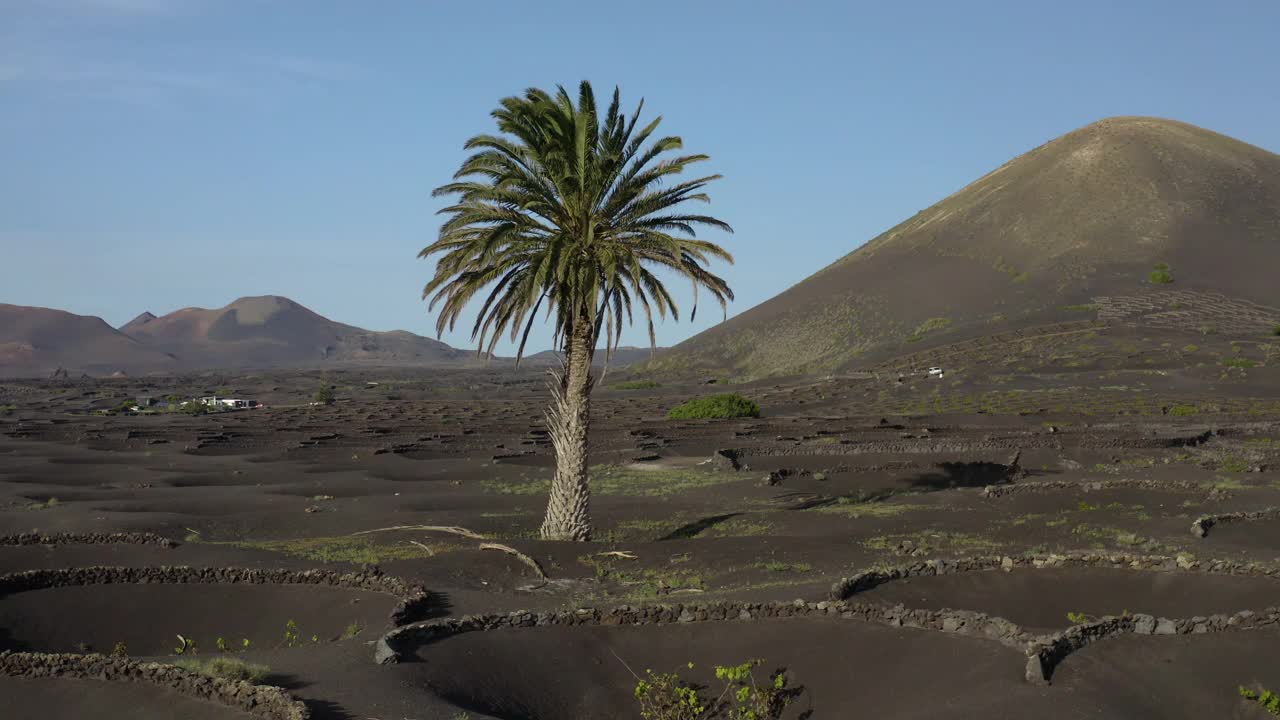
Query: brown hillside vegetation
{"x":272,"y":331}
{"x":36,"y":341}
{"x":1130,"y":217}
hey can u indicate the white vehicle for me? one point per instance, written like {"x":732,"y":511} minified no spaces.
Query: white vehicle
{"x":935,"y":372}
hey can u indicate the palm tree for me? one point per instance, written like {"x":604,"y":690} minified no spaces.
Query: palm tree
{"x":568,"y":211}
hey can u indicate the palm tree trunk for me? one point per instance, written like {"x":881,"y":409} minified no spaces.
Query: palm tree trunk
{"x":568,"y":509}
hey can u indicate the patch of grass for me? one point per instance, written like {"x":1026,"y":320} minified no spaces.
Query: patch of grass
{"x":1276,"y":331}
{"x":1161,"y":275}
{"x":628,"y":530}
{"x":1103,"y":535}
{"x":357,"y":550}
{"x":7,"y":409}
{"x":741,"y":526}
{"x":1184,"y":410}
{"x":1085,"y":307}
{"x":1234,"y":465}
{"x":1239,"y":362}
{"x":932,"y":540}
{"x":227,"y":668}
{"x":928,"y":326}
{"x":637,"y":385}
{"x":352,"y":630}
{"x":850,"y":507}
{"x":715,"y":407}
{"x":52,"y":502}
{"x":643,"y":583}
{"x":783,"y":567}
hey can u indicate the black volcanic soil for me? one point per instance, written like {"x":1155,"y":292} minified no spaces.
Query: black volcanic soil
{"x":841,"y":473}
{"x":65,"y":699}
{"x":147,"y":618}
{"x":848,"y":669}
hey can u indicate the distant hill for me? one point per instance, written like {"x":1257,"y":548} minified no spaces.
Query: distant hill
{"x":38,"y":341}
{"x":1088,"y":226}
{"x":272,"y":331}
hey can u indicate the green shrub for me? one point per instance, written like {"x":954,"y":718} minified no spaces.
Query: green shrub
{"x":637,"y":385}
{"x":724,"y":405}
{"x":1267,"y":699}
{"x":324,"y":395}
{"x":1161,"y":275}
{"x":227,"y":668}
{"x":1276,"y":331}
{"x":664,"y":696}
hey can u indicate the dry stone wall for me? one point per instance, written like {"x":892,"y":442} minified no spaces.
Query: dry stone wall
{"x":131,"y":538}
{"x":262,"y":701}
{"x":415,"y":601}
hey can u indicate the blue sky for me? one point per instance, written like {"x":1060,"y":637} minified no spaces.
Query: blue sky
{"x":158,"y":154}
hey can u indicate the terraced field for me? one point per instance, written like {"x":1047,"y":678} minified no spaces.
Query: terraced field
{"x":1021,"y":546}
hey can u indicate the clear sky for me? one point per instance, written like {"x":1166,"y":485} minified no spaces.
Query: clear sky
{"x":158,"y":154}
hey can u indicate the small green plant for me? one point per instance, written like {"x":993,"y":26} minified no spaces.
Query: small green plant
{"x":1267,"y":699}
{"x":9,"y":409}
{"x":723,"y":405}
{"x":1160,"y":275}
{"x":291,"y":637}
{"x":120,"y":650}
{"x":227,"y":668}
{"x":666,"y":697}
{"x":324,"y":395}
{"x":1078,"y":618}
{"x":352,"y":630}
{"x":186,"y":646}
{"x":1183,"y":410}
{"x":1274,"y":331}
{"x":1239,"y":362}
{"x":52,"y":502}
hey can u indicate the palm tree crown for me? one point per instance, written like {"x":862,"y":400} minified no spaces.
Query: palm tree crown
{"x":570,"y":210}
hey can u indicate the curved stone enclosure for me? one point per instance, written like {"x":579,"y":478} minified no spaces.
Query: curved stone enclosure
{"x":400,"y":643}
{"x":415,"y":601}
{"x":1043,"y":652}
{"x":868,"y":579}
{"x":263,"y":701}
{"x":1046,"y":653}
{"x":1200,"y":528}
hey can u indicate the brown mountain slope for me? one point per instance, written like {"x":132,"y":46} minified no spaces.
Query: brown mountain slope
{"x":37,"y":341}
{"x":272,"y":331}
{"x":134,"y":324}
{"x":1068,"y":230}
